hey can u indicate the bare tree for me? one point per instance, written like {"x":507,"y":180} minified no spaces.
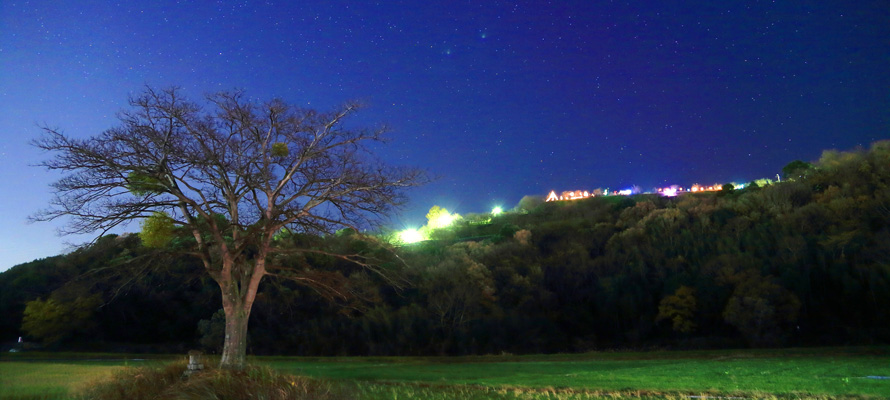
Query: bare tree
{"x":232,"y":178}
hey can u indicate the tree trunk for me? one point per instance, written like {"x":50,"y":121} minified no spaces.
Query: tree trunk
{"x":237,"y":301}
{"x":235,"y":345}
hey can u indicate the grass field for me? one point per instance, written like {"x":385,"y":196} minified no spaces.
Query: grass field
{"x":56,"y":375}
{"x":831,"y":372}
{"x":790,"y":373}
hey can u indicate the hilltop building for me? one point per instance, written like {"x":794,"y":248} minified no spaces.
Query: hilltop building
{"x":570,"y":195}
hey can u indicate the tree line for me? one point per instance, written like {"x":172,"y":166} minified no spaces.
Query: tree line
{"x":801,"y":262}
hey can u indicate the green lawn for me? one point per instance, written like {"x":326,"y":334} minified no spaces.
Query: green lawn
{"x":831,"y":372}
{"x":823,"y":373}
{"x":27,"y":380}
{"x":55,"y":375}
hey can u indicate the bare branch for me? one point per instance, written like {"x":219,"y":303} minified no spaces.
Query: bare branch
{"x":232,"y":178}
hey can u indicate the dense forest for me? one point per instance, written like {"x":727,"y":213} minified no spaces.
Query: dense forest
{"x":805,"y":261}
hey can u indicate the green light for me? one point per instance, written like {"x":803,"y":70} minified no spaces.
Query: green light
{"x":441,"y":221}
{"x":439,"y":217}
{"x":409,"y":236}
{"x":496,"y":211}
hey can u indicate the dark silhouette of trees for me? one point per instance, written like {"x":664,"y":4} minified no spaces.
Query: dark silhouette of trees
{"x":798,"y":262}
{"x":53,"y":320}
{"x":223,"y":183}
{"x":796,"y":169}
{"x":529,"y":203}
{"x":679,"y":308}
{"x":764,"y":312}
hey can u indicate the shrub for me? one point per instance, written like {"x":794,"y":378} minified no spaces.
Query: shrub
{"x":167,"y":382}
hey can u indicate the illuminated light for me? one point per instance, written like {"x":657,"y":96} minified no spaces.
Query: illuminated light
{"x":409,"y":236}
{"x":574,"y":195}
{"x":669,"y":192}
{"x":496,"y":210}
{"x":570,"y":195}
{"x":441,"y":220}
{"x":439,"y":217}
{"x":625,"y":192}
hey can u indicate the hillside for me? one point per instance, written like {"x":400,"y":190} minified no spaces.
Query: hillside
{"x":802,"y":262}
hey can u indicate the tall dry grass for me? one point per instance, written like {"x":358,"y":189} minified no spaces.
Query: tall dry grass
{"x":168,"y":382}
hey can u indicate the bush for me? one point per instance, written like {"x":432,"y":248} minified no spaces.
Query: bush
{"x":167,"y":382}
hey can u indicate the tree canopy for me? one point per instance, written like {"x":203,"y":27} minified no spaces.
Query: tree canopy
{"x":796,"y":169}
{"x":228,"y":176}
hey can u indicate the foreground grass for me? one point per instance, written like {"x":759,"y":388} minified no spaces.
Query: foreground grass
{"x":43,"y":375}
{"x":807,"y":373}
{"x":49,"y":380}
{"x":788,"y":373}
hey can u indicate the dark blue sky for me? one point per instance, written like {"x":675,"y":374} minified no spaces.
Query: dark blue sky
{"x":500,"y":99}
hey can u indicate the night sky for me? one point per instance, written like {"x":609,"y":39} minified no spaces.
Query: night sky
{"x":498,"y":99}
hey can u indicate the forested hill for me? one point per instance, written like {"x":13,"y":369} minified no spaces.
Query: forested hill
{"x":801,"y":262}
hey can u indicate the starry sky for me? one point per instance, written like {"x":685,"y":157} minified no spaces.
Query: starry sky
{"x":498,"y":99}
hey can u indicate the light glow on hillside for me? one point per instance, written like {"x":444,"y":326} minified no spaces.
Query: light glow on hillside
{"x":409,"y":236}
{"x":441,"y":221}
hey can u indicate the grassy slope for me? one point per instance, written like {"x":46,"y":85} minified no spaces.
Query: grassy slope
{"x":830,"y":372}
